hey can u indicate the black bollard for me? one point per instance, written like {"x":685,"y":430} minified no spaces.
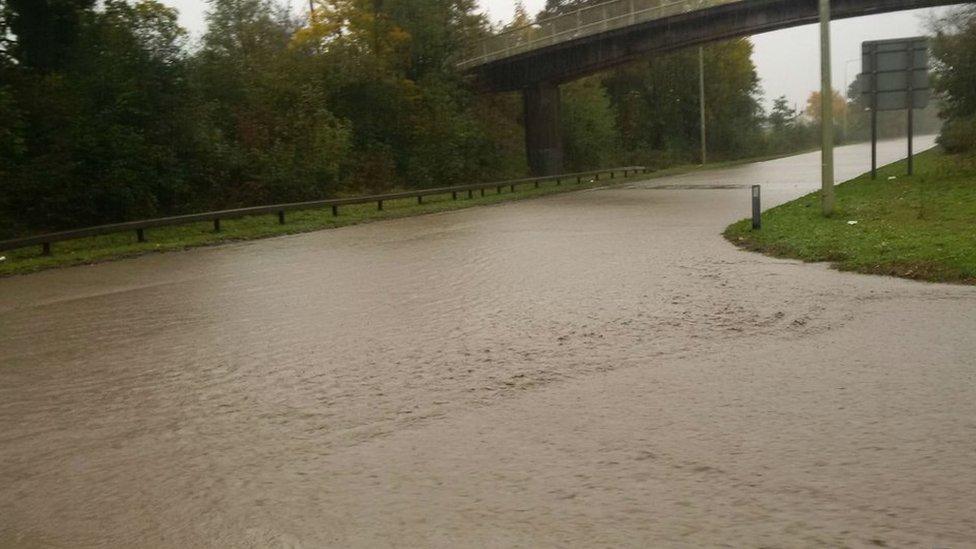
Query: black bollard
{"x":756,"y":208}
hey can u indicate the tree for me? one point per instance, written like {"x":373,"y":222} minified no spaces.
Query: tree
{"x":657,"y":108}
{"x":116,"y":118}
{"x":46,"y":31}
{"x":558,"y":7}
{"x":815,"y":107}
{"x":103,"y":125}
{"x":392,"y":76}
{"x":272,"y":136}
{"x":786,"y":129}
{"x":954,"y":49}
{"x":782,"y":115}
{"x":590,"y":138}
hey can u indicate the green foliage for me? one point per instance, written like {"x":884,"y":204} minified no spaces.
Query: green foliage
{"x":115,"y":118}
{"x":657,"y":104}
{"x":954,"y":48}
{"x":269,"y":133}
{"x":589,"y":134}
{"x":47,"y":31}
{"x":99,"y":131}
{"x":959,"y":134}
{"x":556,"y":7}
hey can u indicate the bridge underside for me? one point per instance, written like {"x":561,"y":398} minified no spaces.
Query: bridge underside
{"x":539,"y":73}
{"x":592,"y":54}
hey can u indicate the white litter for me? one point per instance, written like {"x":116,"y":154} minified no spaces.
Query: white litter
{"x":891,"y":178}
{"x":852,"y":222}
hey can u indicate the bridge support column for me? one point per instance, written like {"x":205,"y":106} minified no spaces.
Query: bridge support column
{"x":543,"y":132}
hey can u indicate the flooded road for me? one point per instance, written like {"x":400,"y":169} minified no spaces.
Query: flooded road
{"x":593,"y":368}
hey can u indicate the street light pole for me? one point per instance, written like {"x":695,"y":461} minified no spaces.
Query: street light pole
{"x":701,"y":102}
{"x":847,"y":96}
{"x":826,"y":114}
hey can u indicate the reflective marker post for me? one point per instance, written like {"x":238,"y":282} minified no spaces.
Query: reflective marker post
{"x":826,"y":114}
{"x":756,"y":207}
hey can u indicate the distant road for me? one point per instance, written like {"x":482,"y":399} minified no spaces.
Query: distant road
{"x":591,"y":368}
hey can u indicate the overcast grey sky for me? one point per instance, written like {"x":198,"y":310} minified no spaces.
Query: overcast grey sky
{"x":787,"y":60}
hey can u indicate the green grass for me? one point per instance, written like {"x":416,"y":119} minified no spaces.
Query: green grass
{"x":166,"y":239}
{"x":921,"y":227}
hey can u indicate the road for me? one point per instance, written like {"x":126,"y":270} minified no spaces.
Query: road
{"x":596,"y":368}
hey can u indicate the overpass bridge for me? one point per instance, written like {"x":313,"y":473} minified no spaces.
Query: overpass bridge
{"x":536,"y":58}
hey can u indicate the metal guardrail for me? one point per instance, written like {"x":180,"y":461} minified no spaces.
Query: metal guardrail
{"x":585,"y":21}
{"x":140,"y":227}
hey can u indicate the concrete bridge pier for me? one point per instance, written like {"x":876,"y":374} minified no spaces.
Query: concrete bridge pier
{"x":543,"y":132}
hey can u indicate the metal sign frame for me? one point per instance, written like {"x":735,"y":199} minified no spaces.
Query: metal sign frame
{"x":895,"y":76}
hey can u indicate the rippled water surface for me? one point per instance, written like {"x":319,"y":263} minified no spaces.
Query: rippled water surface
{"x":594,"y":367}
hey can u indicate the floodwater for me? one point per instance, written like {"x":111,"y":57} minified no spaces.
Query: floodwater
{"x":591,"y":369}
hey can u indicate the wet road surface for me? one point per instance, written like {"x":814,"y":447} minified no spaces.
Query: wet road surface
{"x":594,"y":368}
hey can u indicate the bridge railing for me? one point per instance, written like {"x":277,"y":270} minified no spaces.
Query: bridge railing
{"x":585,"y":21}
{"x":140,"y":227}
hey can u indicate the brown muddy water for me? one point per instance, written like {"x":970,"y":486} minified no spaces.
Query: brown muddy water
{"x":591,"y":369}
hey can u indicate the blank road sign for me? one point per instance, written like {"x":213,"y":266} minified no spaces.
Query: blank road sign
{"x":894,"y":71}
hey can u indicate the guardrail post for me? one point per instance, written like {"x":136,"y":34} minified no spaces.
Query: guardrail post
{"x":379,"y":205}
{"x":46,"y":248}
{"x":141,"y":235}
{"x":420,"y":199}
{"x":335,"y":211}
{"x":216,"y":225}
{"x":281,"y":217}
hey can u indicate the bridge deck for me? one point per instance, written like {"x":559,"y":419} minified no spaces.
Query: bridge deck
{"x":583,"y":22}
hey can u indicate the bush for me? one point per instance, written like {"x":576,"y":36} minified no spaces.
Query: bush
{"x":959,"y":135}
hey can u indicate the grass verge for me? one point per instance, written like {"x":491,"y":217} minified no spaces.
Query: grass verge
{"x":921,"y":227}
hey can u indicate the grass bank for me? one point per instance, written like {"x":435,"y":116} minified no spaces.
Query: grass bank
{"x":166,"y":239}
{"x":921,"y":227}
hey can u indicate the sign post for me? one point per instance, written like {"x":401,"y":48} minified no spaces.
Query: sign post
{"x":894,"y":76}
